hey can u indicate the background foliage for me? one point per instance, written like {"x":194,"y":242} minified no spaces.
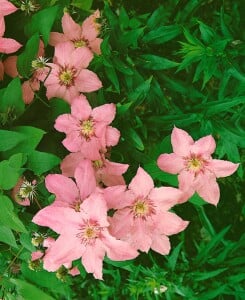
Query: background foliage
{"x":163,"y":63}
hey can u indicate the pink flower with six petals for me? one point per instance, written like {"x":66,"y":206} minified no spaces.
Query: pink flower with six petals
{"x":87,"y":129}
{"x":142,"y":217}
{"x":195,"y":166}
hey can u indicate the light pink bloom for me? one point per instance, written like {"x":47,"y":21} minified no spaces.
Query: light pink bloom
{"x":106,"y":172}
{"x":69,"y":74}
{"x":74,"y":271}
{"x":36,"y":255}
{"x":87,"y":129}
{"x":7,"y":45}
{"x":6,"y":8}
{"x":79,"y":36}
{"x":71,"y":194}
{"x":195,"y":166}
{"x":142,"y":218}
{"x":83,"y":235}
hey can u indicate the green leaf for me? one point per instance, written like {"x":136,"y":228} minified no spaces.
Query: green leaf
{"x":140,"y":93}
{"x":8,"y":175}
{"x":17,"y":160}
{"x":206,"y":275}
{"x":162,"y":34}
{"x":7,"y":215}
{"x":10,"y":139}
{"x":12,"y":100}
{"x":40,"y":162}
{"x":112,"y":76}
{"x":25,"y":58}
{"x":42,"y":23}
{"x":84,"y":5}
{"x":153,"y":62}
{"x":197,"y":200}
{"x":32,"y":138}
{"x":29,"y":291}
{"x":132,"y":137}
{"x":25,"y":241}
{"x":173,"y":257}
{"x":7,"y":236}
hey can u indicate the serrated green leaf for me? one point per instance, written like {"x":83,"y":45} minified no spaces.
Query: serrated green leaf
{"x":27,"y":56}
{"x":42,"y":22}
{"x":7,"y":236}
{"x":40,"y":162}
{"x":8,"y":217}
{"x":29,"y":291}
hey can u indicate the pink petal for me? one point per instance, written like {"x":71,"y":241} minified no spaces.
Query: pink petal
{"x":62,"y":53}
{"x":36,"y":255}
{"x":121,"y":223}
{"x":222,"y":168}
{"x":72,"y":142}
{"x":112,"y":136}
{"x":27,"y":92}
{"x":64,"y":188}
{"x":161,"y":244}
{"x":74,"y":271}
{"x":70,"y":162}
{"x":95,"y":45}
{"x":63,"y":252}
{"x":186,"y":182}
{"x":115,"y":168}
{"x":91,"y":149}
{"x":204,"y":146}
{"x":85,"y":178}
{"x":169,"y":223}
{"x":81,"y":108}
{"x":66,"y":123}
{"x":170,"y":163}
{"x":87,"y":81}
{"x":71,"y":29}
{"x":48,"y":242}
{"x":117,"y":198}
{"x":104,"y":113}
{"x":142,"y":183}
{"x":10,"y":66}
{"x":56,"y":37}
{"x":7,"y":8}
{"x":181,"y":142}
{"x":166,"y":197}
{"x":81,"y":58}
{"x":9,"y":45}
{"x":140,"y":236}
{"x":92,"y":259}
{"x":90,"y":29}
{"x":208,"y":188}
{"x":2,"y":26}
{"x":118,"y":250}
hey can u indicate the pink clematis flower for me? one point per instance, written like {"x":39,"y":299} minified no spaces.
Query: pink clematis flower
{"x":195,"y":166}
{"x":7,"y":45}
{"x":83,"y":235}
{"x":87,"y":129}
{"x":106,"y":172}
{"x":71,"y":194}
{"x":69,"y":75}
{"x":79,"y":36}
{"x":142,"y":217}
{"x":6,"y":8}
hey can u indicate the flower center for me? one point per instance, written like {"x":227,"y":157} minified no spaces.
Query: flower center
{"x":27,"y":190}
{"x":87,"y":129}
{"x":76,"y":205}
{"x":67,"y":77}
{"x":98,"y":164}
{"x":195,"y":163}
{"x":79,"y":43}
{"x":89,"y":232}
{"x":142,"y":208}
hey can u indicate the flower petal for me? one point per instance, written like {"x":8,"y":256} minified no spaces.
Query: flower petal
{"x":9,"y":45}
{"x":66,"y":123}
{"x":166,"y":197}
{"x":117,"y":197}
{"x":81,"y":108}
{"x":112,"y":136}
{"x":87,"y":81}
{"x":204,"y":146}
{"x":161,"y":244}
{"x":222,"y":168}
{"x":170,"y":163}
{"x":168,"y":223}
{"x":104,"y":113}
{"x":71,"y":29}
{"x":181,"y":142}
{"x":142,"y":183}
{"x":81,"y":58}
{"x":70,"y":162}
{"x":7,"y":8}
{"x":72,"y":142}
{"x":62,"y":53}
{"x":56,"y":37}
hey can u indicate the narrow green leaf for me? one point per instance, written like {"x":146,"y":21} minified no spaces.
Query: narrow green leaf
{"x":132,"y":136}
{"x":140,"y":93}
{"x":206,"y":275}
{"x":153,"y":62}
{"x":173,"y":257}
{"x":162,"y":34}
{"x":7,"y":215}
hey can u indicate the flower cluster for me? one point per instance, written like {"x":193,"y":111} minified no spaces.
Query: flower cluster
{"x":95,"y":213}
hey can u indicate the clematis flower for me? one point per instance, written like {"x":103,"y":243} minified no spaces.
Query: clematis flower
{"x":7,"y":45}
{"x":68,"y":193}
{"x":83,"y":235}
{"x":107,"y":172}
{"x":24,"y":191}
{"x":79,"y":36}
{"x":69,"y":75}
{"x":87,"y":130}
{"x":6,"y":8}
{"x":142,"y":217}
{"x":196,"y":168}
